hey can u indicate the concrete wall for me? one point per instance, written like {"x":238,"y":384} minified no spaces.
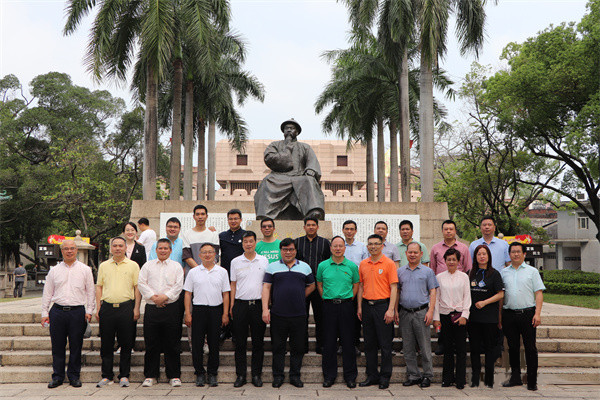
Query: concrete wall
{"x":431,"y":214}
{"x":568,"y":228}
{"x":590,"y":256}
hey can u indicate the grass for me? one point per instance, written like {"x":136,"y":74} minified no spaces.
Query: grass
{"x":573,"y":300}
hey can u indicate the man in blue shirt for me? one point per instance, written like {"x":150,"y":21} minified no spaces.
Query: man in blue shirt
{"x":173,"y":227}
{"x":521,"y":314}
{"x":291,"y":282}
{"x":498,"y":247}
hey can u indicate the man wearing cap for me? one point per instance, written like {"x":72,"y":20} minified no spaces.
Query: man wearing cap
{"x":293,"y":181}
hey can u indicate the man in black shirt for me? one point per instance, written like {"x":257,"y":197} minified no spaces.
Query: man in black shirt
{"x":312,"y":249}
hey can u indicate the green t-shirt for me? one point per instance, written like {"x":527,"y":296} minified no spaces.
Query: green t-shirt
{"x":269,"y":250}
{"x":337,"y":279}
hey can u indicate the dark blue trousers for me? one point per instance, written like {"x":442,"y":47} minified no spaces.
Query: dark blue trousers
{"x":66,"y":324}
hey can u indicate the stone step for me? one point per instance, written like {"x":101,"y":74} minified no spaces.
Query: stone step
{"x":547,"y":320}
{"x":41,"y":374}
{"x":40,"y":358}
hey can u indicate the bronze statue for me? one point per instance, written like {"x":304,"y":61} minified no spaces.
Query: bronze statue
{"x":291,"y":191}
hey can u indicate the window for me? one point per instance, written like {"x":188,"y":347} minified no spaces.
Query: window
{"x":334,"y":187}
{"x":342,"y":161}
{"x":583,"y":223}
{"x":242,"y":159}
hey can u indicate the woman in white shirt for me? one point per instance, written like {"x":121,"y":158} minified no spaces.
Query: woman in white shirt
{"x":453,"y":303}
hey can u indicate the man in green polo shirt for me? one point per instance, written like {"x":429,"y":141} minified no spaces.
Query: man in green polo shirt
{"x":337,"y":282}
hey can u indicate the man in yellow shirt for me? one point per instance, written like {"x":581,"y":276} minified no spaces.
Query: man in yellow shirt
{"x":118,"y":305}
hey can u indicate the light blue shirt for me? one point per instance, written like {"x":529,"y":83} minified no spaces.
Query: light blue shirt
{"x":356,"y":252}
{"x":415,"y":285}
{"x":176,"y":251}
{"x":498,"y":248}
{"x":520,"y":286}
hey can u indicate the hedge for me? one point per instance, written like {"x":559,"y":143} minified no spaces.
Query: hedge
{"x":585,"y":289}
{"x":567,"y":276}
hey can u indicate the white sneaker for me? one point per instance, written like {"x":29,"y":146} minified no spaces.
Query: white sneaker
{"x":124,"y":382}
{"x":148,"y":382}
{"x":104,"y":382}
{"x":175,"y":382}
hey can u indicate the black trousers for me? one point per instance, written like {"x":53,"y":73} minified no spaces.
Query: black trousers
{"x":377,"y":336}
{"x":18,"y":291}
{"x":357,"y":324}
{"x":66,"y":324}
{"x":455,"y":341}
{"x":338,"y":321}
{"x":514,"y":325}
{"x":248,"y":314}
{"x":116,"y":321}
{"x":281,"y":329}
{"x":206,"y":323}
{"x":316,"y":301}
{"x":482,"y":340}
{"x":162,"y":328}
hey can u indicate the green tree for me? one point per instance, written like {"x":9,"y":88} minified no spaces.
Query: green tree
{"x":550,"y":99}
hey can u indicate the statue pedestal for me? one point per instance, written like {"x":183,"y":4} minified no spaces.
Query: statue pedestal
{"x":291,"y":229}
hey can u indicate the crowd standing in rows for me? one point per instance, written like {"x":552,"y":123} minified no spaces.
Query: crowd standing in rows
{"x":229,"y":284}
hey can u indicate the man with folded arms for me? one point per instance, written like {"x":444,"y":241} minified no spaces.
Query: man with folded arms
{"x":70,"y":286}
{"x":160,"y":282}
{"x":118,"y":307}
{"x":377,"y":293}
{"x":247,"y":273}
{"x":337,"y":282}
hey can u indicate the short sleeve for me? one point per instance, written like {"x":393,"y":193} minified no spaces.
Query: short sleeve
{"x":432,"y":282}
{"x":498,"y":283}
{"x":425,"y":258}
{"x":537,"y":281}
{"x":232,"y":272}
{"x":185,"y":241}
{"x":268,"y":278}
{"x":355,"y":277}
{"x":225,"y":287}
{"x":360,"y":273}
{"x":393,"y":273}
{"x":320,"y":269}
{"x":310,"y":279}
{"x":136,"y":274}
{"x":100,"y":280}
{"x":395,"y":253}
{"x":152,"y":255}
{"x":188,"y":285}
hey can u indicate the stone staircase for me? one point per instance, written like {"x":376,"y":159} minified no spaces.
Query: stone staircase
{"x":569,"y":351}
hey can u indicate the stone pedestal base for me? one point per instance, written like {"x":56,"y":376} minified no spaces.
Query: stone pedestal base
{"x":291,"y":229}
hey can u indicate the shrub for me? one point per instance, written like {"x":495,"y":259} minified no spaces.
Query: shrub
{"x":585,"y":289}
{"x":567,"y":276}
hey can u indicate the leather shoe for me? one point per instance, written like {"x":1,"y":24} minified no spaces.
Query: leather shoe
{"x":384,"y":384}
{"x":474,"y":384}
{"x":212,"y":381}
{"x":425,"y":382}
{"x":411,"y":382}
{"x":446,"y":384}
{"x":368,"y":382}
{"x":75,"y":382}
{"x":257,"y":381}
{"x":351,"y":384}
{"x":200,"y":380}
{"x":296,"y":382}
{"x":240,"y":381}
{"x":327,"y":383}
{"x":54,"y":383}
{"x":277,"y":382}
{"x":460,"y":386}
{"x":532,"y":387}
{"x":510,"y":383}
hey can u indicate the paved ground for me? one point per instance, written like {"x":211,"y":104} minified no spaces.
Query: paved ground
{"x":286,"y":392}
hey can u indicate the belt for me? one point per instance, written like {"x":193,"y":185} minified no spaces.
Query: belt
{"x":374,"y":302}
{"x":117,"y":305}
{"x":422,"y":307}
{"x":338,"y":301}
{"x":251,"y":302}
{"x":521,"y":310}
{"x":67,"y":308}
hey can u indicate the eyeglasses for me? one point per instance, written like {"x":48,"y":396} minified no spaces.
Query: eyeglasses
{"x":374,"y":244}
{"x":287,"y":250}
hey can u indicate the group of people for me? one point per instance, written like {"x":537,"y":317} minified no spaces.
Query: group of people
{"x":230,"y":283}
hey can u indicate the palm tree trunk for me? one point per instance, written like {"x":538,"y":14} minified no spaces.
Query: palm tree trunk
{"x":426,"y":130}
{"x":404,"y":130}
{"x":175,"y":170}
{"x":380,"y":162}
{"x":211,"y":160}
{"x":150,"y":135}
{"x":370,"y":171}
{"x":200,"y":177}
{"x":189,"y":141}
{"x":393,"y":161}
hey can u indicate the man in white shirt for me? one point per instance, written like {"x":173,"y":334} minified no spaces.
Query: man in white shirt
{"x":194,"y":238}
{"x":160,"y":282}
{"x":70,"y":286}
{"x":206,"y":311}
{"x":247,"y":273}
{"x":148,"y":236}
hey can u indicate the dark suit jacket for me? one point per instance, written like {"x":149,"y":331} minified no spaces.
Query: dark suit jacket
{"x":138,"y":254}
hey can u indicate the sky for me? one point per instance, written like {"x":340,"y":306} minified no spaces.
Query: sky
{"x":285,"y":41}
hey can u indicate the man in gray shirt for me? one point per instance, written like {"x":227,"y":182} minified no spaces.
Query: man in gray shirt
{"x":20,"y":274}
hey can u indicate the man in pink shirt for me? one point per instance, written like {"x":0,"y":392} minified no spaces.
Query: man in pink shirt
{"x":436,"y":262}
{"x":70,"y":286}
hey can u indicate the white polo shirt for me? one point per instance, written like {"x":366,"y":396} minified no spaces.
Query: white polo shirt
{"x":207,"y":286}
{"x":248,"y":275}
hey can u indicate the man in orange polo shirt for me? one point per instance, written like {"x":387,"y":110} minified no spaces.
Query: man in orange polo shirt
{"x":377,"y":295}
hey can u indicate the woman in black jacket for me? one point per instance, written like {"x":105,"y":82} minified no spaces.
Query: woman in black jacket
{"x":135,"y":251}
